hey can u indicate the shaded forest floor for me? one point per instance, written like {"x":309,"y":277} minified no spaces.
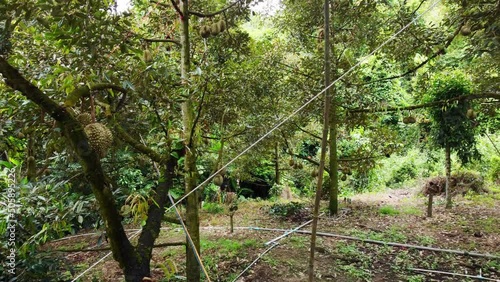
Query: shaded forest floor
{"x":398,"y":216}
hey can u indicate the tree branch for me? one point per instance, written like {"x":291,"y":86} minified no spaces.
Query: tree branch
{"x":428,"y":105}
{"x":198,"y":114}
{"x":84,"y":91}
{"x":202,"y":15}
{"x":306,"y":131}
{"x":73,"y":131}
{"x":138,"y":145}
{"x":441,"y":51}
{"x":177,"y":9}
{"x":159,"y":119}
{"x":162,"y":40}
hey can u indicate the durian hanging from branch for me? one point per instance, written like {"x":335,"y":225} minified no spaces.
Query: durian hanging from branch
{"x":100,"y":138}
{"x":115,"y":103}
{"x":213,"y":29}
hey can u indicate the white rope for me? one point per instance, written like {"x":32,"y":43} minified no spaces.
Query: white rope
{"x":256,"y":260}
{"x":306,"y":103}
{"x":193,"y":246}
{"x":102,"y":259}
{"x":287,"y":233}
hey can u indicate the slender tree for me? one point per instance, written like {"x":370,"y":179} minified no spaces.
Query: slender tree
{"x":452,"y":125}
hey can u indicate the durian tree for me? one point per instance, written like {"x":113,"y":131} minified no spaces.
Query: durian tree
{"x":355,"y":30}
{"x":55,"y":65}
{"x":391,"y":78}
{"x":453,"y":125}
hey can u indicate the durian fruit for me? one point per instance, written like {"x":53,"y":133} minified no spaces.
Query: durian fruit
{"x":300,"y":166}
{"x":214,"y":29}
{"x":204,"y":31}
{"x":221,"y":25}
{"x":471,"y":114}
{"x":291,"y":162}
{"x":409,"y":119}
{"x":218,"y":179}
{"x":147,"y":56}
{"x":344,"y":177}
{"x":100,"y":138}
{"x":314,"y":173}
{"x":465,"y":30}
{"x":84,"y":118}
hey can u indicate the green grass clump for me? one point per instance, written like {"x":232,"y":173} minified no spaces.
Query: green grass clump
{"x":388,"y":210}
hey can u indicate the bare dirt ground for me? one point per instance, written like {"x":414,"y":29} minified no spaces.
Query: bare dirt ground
{"x":472,"y":225}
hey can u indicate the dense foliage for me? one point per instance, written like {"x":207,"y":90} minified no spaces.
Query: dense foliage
{"x":181,"y":104}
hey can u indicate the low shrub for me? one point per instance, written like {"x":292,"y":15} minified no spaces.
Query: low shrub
{"x":293,"y":210}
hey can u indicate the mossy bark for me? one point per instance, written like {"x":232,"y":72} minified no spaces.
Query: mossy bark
{"x":190,"y":173}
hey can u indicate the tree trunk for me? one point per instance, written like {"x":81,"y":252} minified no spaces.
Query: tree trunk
{"x":334,"y":176}
{"x":324,"y":143}
{"x":123,"y":251}
{"x":333,"y":206}
{"x":135,"y":272}
{"x":429,"y":205}
{"x":190,"y":175}
{"x":277,"y":174}
{"x":231,"y":222}
{"x":448,"y":176}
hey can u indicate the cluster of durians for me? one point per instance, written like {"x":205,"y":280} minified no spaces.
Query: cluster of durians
{"x":100,"y":137}
{"x":409,"y":120}
{"x":213,"y":29}
{"x":471,"y":114}
{"x":295,"y":165}
{"x":218,"y":180}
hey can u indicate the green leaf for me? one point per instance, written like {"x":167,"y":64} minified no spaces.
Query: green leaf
{"x":6,"y":164}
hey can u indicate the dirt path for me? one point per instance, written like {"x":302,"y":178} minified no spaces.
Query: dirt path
{"x":393,"y":216}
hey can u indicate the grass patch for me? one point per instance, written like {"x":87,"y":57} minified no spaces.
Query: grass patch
{"x":489,"y":225}
{"x":426,"y":240}
{"x":410,"y":210}
{"x":350,"y":250}
{"x":227,"y":246}
{"x":388,"y":210}
{"x":356,"y":272}
{"x":299,"y":241}
{"x":416,"y":278}
{"x":213,"y":208}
